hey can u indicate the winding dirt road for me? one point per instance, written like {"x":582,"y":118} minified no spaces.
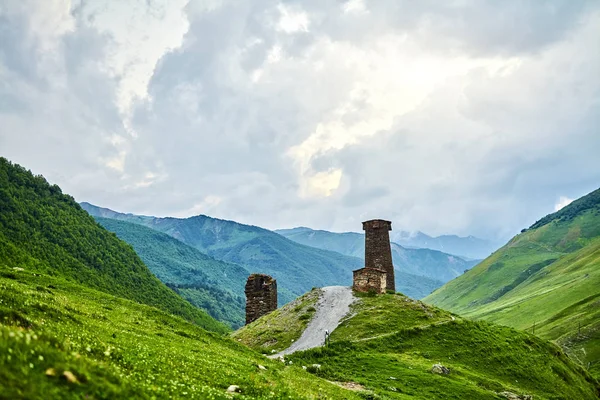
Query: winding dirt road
{"x":333,"y":305}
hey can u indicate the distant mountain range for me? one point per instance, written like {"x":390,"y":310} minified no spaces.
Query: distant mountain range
{"x":297,"y":267}
{"x":546,"y":279}
{"x":428,"y":263}
{"x":469,"y":247}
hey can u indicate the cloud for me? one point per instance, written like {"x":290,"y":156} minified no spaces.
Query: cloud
{"x":562,"y":203}
{"x":462,"y":117}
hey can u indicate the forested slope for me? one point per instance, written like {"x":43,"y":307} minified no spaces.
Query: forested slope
{"x":45,"y":231}
{"x":213,"y":285}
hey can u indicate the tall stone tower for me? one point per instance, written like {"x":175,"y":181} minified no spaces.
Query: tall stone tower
{"x":378,"y":252}
{"x":261,"y":296}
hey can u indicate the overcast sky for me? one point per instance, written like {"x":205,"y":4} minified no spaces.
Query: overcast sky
{"x":464,"y":117}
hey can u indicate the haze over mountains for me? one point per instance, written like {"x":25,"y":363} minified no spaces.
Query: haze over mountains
{"x":421,"y":262}
{"x":469,"y":246}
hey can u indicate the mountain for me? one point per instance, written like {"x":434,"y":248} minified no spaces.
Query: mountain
{"x":545,"y":279}
{"x":432,"y":264}
{"x":46,"y":232}
{"x":387,"y":346}
{"x":212,"y":285}
{"x":297,"y":267}
{"x":467,"y":247}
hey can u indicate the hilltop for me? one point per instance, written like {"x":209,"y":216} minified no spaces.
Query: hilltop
{"x":45,"y":231}
{"x":386,"y":348}
{"x":212,"y":285}
{"x":431,"y":264}
{"x":547,"y":278}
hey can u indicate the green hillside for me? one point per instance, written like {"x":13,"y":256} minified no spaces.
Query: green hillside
{"x":548,"y":276}
{"x":214,"y":286}
{"x":61,"y":340}
{"x":47,"y":232}
{"x":388,"y":345}
{"x":432,"y":264}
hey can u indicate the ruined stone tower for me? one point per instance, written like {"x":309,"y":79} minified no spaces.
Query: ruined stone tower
{"x":369,"y":280}
{"x":261,"y":296}
{"x":378,"y":252}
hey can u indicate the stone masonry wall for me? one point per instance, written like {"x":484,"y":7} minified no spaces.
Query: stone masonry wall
{"x":378,"y":252}
{"x":261,"y":296}
{"x":367,"y":279}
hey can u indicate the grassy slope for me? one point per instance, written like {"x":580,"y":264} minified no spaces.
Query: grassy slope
{"x":212,"y":285}
{"x":548,"y":275}
{"x":563,"y":303}
{"x":45,"y":231}
{"x":391,"y":343}
{"x":277,"y":330}
{"x":116,"y":348}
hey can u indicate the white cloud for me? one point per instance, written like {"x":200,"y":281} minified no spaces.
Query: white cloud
{"x":292,"y":20}
{"x":562,"y":202}
{"x":355,"y":7}
{"x":141,"y":32}
{"x":468,"y":118}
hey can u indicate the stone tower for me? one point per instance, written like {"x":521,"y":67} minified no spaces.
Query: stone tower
{"x":378,"y":252}
{"x":261,"y":296}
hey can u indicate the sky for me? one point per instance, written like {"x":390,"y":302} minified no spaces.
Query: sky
{"x":455,"y":117}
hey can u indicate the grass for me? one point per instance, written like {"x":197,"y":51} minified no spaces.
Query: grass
{"x":383,"y":315}
{"x":546,"y":279}
{"x":60,"y":340}
{"x":503,"y":269}
{"x":391,"y":343}
{"x":276,"y":331}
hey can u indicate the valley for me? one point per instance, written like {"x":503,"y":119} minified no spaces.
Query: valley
{"x":83,"y":315}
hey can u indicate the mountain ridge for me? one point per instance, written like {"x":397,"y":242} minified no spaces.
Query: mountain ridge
{"x":467,"y":247}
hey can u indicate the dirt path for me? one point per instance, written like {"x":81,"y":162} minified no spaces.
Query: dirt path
{"x":333,"y":305}
{"x":419,"y":327}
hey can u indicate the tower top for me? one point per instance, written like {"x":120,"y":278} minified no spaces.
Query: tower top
{"x":377,"y":224}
